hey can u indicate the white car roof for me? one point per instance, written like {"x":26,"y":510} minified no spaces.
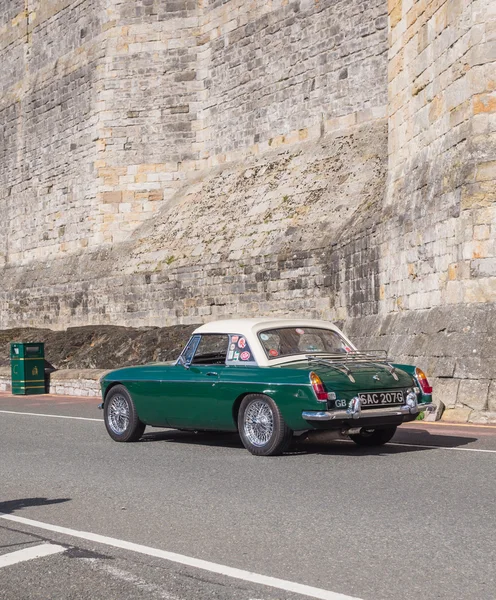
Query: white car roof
{"x":249,"y":328}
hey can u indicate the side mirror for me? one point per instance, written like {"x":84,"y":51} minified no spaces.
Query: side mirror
{"x":182,"y":361}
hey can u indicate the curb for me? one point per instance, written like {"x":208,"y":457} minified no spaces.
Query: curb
{"x":415,"y":424}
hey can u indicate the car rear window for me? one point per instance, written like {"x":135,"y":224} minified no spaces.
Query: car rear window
{"x":288,"y":341}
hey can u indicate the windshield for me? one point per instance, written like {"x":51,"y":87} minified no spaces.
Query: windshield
{"x":288,"y":341}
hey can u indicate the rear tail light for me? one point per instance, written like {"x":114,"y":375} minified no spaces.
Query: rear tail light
{"x":423,"y":381}
{"x":318,"y":387}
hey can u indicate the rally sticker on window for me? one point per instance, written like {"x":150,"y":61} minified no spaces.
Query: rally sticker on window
{"x":300,"y":331}
{"x":264,"y":337}
{"x":239,"y":350}
{"x":273,"y":352}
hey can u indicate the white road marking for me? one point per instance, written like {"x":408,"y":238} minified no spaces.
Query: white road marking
{"x":12,"y":412}
{"x":281,"y":584}
{"x":29,"y":554}
{"x":349,"y":442}
{"x":441,"y":447}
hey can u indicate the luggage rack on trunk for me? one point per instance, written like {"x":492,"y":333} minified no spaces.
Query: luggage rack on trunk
{"x":342,"y":362}
{"x":356,"y":356}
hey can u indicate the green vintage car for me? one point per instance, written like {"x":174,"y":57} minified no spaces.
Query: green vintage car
{"x":268,"y":379}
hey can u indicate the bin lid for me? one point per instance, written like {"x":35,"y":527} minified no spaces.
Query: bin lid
{"x":27,"y":350}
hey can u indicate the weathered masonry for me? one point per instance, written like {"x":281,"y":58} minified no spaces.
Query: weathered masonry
{"x":168,"y":162}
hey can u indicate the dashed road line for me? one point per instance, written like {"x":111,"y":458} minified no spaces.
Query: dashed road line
{"x":29,"y":554}
{"x":205,"y":565}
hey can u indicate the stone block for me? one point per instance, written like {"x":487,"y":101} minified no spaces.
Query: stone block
{"x":454,"y":293}
{"x":486,"y":171}
{"x":484,"y":103}
{"x":481,"y":290}
{"x":436,"y":414}
{"x":457,"y":415}
{"x":445,"y":391}
{"x":473,"y":393}
{"x":491,"y":397}
{"x":479,"y":365}
{"x":111,"y":197}
{"x":483,"y":418}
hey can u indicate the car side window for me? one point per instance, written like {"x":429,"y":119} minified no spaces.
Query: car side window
{"x":239,"y":351}
{"x":211,"y":350}
{"x":189,"y":351}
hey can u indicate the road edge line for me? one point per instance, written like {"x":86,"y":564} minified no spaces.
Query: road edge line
{"x":419,"y":424}
{"x":29,"y":414}
{"x":441,"y":447}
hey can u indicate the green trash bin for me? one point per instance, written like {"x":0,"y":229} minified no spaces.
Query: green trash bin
{"x":28,"y":368}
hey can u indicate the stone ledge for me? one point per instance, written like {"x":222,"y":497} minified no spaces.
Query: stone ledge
{"x":467,"y":415}
{"x":78,"y":375}
{"x":66,"y":382}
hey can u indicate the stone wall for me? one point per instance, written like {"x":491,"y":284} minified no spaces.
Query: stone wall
{"x":438,"y":268}
{"x":175,"y":162}
{"x":47,"y":111}
{"x":164,"y":221}
{"x":148,"y":104}
{"x":289,"y":231}
{"x":277,"y":72}
{"x":442,"y":151}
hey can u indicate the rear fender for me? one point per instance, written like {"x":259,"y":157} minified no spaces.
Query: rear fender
{"x":291,"y":401}
{"x":410,"y":369}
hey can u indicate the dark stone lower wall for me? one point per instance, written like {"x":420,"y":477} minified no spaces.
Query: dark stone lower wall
{"x":101,"y":347}
{"x":454,"y":345}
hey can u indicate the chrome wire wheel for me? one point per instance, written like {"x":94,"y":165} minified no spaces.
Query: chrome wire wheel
{"x":258,"y":423}
{"x":118,"y":414}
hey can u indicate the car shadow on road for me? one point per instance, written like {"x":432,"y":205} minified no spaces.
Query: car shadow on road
{"x":202,"y":438}
{"x":424,"y":437}
{"x":403,"y":442}
{"x":11,"y":506}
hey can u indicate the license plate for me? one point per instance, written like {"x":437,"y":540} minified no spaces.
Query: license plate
{"x":381,"y":398}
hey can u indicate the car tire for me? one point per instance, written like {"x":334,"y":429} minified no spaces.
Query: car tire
{"x":261,"y":426}
{"x":374,"y":437}
{"x":120,"y":416}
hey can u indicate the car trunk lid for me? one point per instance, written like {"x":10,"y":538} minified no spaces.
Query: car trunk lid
{"x":341,"y":376}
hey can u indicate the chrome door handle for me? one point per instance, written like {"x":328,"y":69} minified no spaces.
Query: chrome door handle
{"x":212,"y":374}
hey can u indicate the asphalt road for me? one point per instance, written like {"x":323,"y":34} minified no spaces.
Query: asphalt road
{"x":412,"y":520}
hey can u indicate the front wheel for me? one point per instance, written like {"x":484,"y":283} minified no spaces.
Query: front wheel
{"x":261,"y":426}
{"x":120,"y":416}
{"x":374,"y":437}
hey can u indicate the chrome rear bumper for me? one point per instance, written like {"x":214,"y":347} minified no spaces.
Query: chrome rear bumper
{"x":355,"y":411}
